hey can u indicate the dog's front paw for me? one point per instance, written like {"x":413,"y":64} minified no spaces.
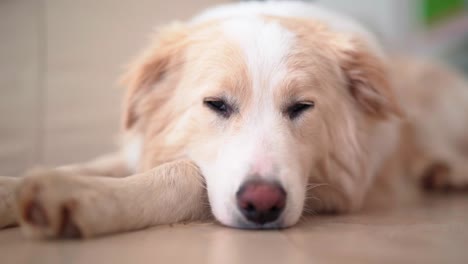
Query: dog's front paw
{"x":49,"y":205}
{"x":441,"y":177}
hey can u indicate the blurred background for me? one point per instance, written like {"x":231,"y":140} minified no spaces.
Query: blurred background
{"x":60,"y":61}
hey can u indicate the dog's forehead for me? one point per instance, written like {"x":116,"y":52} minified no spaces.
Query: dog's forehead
{"x":265,"y":47}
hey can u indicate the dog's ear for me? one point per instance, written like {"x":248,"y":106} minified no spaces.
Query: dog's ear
{"x":152,"y":66}
{"x":367,"y":80}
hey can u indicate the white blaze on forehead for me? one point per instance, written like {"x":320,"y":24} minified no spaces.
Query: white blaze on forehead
{"x":265,"y":45}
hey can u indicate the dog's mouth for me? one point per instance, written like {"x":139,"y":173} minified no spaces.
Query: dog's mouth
{"x":240,"y":222}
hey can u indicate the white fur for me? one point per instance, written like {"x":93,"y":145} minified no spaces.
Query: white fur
{"x":261,"y":148}
{"x":257,"y":150}
{"x":265,"y":46}
{"x":132,"y":151}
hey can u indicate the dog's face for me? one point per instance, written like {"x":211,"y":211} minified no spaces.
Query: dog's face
{"x":263,"y":106}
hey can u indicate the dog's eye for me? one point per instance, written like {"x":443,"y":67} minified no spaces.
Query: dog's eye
{"x":297,"y":109}
{"x":219,"y":106}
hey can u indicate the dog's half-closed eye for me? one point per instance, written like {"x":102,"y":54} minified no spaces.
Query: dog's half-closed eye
{"x":219,"y":105}
{"x":298,"y":108}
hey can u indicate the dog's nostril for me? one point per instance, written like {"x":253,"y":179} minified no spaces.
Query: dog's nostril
{"x":261,"y":202}
{"x":274,"y":208}
{"x":250,"y":207}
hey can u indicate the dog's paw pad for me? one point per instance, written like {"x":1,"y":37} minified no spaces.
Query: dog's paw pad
{"x":34,"y":214}
{"x":47,"y":209}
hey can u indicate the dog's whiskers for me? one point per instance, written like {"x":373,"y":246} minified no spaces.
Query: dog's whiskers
{"x":311,"y":186}
{"x":309,"y":211}
{"x":312,"y":197}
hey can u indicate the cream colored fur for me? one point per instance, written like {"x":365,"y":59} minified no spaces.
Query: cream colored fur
{"x":381,"y":125}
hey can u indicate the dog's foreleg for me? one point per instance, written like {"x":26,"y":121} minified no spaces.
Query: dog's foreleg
{"x":51,"y":205}
{"x":111,"y":165}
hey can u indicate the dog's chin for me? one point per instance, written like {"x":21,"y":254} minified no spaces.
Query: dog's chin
{"x":227,"y":216}
{"x":240,"y":223}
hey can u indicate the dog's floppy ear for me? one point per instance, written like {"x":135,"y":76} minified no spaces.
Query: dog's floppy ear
{"x":143,"y":75}
{"x":368,"y":81}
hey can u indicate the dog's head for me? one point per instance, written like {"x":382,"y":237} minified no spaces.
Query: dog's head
{"x":267,"y":107}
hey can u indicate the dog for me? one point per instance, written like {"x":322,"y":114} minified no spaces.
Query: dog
{"x":257,"y":114}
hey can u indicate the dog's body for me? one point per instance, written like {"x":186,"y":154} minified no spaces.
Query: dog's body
{"x":264,"y":111}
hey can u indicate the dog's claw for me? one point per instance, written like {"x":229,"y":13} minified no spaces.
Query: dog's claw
{"x":68,"y":228}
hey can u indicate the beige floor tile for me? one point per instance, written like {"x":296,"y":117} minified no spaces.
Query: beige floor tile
{"x":435,"y":231}
{"x":197,"y":243}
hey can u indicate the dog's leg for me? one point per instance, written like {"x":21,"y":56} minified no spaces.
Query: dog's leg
{"x":111,"y":165}
{"x":446,"y":169}
{"x":50,"y":205}
{"x":441,"y":176}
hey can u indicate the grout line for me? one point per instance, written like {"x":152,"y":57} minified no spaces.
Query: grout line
{"x":41,"y":83}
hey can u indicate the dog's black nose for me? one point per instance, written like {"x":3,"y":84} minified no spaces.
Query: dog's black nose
{"x":261,"y":202}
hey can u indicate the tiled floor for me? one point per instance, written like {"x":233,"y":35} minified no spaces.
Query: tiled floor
{"x":434,"y":231}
